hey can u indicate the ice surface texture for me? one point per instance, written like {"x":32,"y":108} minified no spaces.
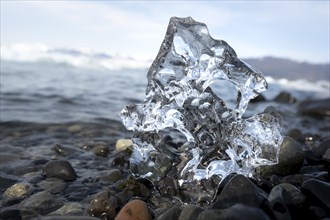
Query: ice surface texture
{"x":211,"y":139}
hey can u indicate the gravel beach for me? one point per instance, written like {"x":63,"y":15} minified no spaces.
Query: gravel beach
{"x":80,"y":170}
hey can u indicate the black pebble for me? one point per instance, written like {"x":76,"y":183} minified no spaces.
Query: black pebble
{"x":61,"y":169}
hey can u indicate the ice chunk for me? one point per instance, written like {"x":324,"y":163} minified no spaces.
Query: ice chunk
{"x":207,"y":138}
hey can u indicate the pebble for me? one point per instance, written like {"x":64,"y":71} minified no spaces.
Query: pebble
{"x":326,"y":156}
{"x":315,"y":108}
{"x":61,"y":169}
{"x":134,"y":210}
{"x":235,"y":212}
{"x":111,"y":176}
{"x":42,"y":202}
{"x":190,"y":212}
{"x":101,"y":150}
{"x":172,"y":213}
{"x":123,"y":144}
{"x":10,"y":213}
{"x":70,"y":208}
{"x":291,"y":157}
{"x":17,"y":191}
{"x":240,"y":189}
{"x":319,"y":189}
{"x":277,"y":204}
{"x":322,"y":149}
{"x":292,"y":195}
{"x":103,"y":204}
{"x":285,"y":97}
{"x":58,"y":217}
{"x":74,"y":128}
{"x":52,"y":185}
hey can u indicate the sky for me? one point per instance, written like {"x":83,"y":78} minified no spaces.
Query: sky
{"x":298,"y":30}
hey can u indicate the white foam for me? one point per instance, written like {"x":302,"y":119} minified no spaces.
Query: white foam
{"x":320,"y":87}
{"x":84,"y":58}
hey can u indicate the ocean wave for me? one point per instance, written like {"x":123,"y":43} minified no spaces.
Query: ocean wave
{"x":321,"y":88}
{"x":81,"y":58}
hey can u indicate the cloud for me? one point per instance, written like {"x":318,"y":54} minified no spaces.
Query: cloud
{"x":253,"y":28}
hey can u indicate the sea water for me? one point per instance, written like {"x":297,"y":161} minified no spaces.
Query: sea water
{"x":61,"y":85}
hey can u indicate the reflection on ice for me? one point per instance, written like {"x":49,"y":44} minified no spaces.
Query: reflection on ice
{"x":184,"y":128}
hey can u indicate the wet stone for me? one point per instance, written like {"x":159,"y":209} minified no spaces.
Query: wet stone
{"x":292,"y":196}
{"x":61,"y":169}
{"x":317,"y":213}
{"x":17,"y":191}
{"x":123,"y":144}
{"x":277,"y":204}
{"x":69,"y":218}
{"x":322,"y":149}
{"x":101,"y":150}
{"x":326,"y":156}
{"x":18,"y":213}
{"x":296,"y":179}
{"x":315,"y":108}
{"x":291,"y":157}
{"x":190,"y":212}
{"x":134,"y":210}
{"x":240,"y":190}
{"x":235,"y":212}
{"x":111,"y":176}
{"x":285,"y":97}
{"x":172,"y":213}
{"x":52,"y":185}
{"x":42,"y":202}
{"x":103,"y":205}
{"x":71,"y":208}
{"x":319,"y":189}
{"x":74,"y":128}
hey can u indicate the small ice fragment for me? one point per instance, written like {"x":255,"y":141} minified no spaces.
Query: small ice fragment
{"x":207,"y":138}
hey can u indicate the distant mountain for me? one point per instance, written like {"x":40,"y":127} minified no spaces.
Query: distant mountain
{"x":290,"y":69}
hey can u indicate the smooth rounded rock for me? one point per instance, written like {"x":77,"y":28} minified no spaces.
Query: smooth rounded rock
{"x":42,"y":202}
{"x":123,"y":144}
{"x":285,"y":97}
{"x":240,"y":189}
{"x":319,"y":189}
{"x":17,"y":191}
{"x":59,"y":217}
{"x":101,"y":150}
{"x":103,"y":205}
{"x":111,"y":176}
{"x":134,"y":210}
{"x":71,"y":208}
{"x":235,"y":212}
{"x":277,"y":205}
{"x":315,"y":108}
{"x":190,"y":212}
{"x":291,"y":157}
{"x":61,"y":169}
{"x":172,"y":213}
{"x":322,"y":148}
{"x":10,"y":213}
{"x":52,"y":185}
{"x":293,"y":197}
